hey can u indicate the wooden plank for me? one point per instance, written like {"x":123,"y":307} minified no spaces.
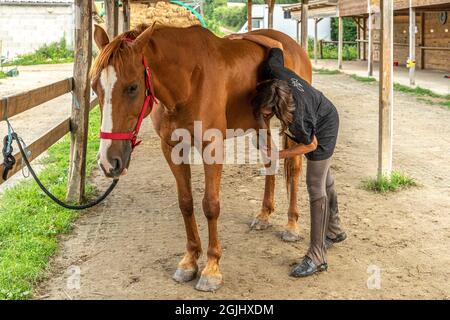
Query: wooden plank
{"x":364,"y":38}
{"x":82,"y":93}
{"x":112,"y":18}
{"x":340,"y":41}
{"x":39,"y":146}
{"x":386,"y":102}
{"x":304,"y":27}
{"x":126,"y":15}
{"x":412,"y":44}
{"x":249,"y":15}
{"x":27,"y":100}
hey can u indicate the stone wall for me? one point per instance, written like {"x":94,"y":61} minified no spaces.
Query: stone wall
{"x":162,"y":12}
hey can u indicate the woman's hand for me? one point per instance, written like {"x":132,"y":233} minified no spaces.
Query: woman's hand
{"x":235,"y":36}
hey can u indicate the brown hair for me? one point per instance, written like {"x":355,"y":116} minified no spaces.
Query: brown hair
{"x":276,"y":94}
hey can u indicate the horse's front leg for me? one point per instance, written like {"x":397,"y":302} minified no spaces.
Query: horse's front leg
{"x":293,"y":170}
{"x":211,"y":278}
{"x":187,"y":268}
{"x":261,"y":221}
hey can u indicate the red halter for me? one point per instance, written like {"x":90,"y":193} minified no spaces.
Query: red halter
{"x":149,"y":101}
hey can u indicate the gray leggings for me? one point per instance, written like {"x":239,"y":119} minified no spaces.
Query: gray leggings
{"x":318,"y":178}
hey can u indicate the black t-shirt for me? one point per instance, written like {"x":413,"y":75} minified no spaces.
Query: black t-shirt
{"x":314,"y":113}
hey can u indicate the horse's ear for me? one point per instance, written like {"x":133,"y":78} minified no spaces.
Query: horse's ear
{"x":143,"y":39}
{"x":100,"y":37}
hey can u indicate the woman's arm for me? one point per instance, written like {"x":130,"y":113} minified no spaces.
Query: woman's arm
{"x":261,"y":40}
{"x":298,"y":149}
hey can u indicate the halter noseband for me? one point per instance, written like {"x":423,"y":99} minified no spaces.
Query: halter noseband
{"x":150,"y":100}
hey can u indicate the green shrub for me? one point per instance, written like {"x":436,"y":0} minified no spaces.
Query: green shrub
{"x":395,"y":182}
{"x":56,"y":52}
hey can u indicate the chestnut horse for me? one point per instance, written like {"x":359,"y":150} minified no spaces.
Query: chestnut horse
{"x":196,"y":76}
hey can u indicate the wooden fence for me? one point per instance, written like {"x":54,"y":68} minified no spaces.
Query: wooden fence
{"x":24,"y":101}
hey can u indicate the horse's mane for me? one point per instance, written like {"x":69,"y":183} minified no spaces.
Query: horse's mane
{"x":117,"y":51}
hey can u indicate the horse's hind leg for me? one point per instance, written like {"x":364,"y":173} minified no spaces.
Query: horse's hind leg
{"x":261,"y":221}
{"x":187,"y":267}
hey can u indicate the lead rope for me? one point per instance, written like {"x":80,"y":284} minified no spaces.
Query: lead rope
{"x":50,"y":195}
{"x":10,"y":161}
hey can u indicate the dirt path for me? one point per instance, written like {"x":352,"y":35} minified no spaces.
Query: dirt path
{"x":130,"y":246}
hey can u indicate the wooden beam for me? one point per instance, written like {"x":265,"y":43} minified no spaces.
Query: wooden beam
{"x":422,"y":40}
{"x":126,"y":10}
{"x":304,"y":23}
{"x":358,"y":37}
{"x":249,"y":15}
{"x":39,"y":146}
{"x":316,"y":22}
{"x":81,"y":101}
{"x":271,"y":4}
{"x":112,"y":18}
{"x":370,"y":43}
{"x":340,"y":41}
{"x":364,"y":38}
{"x":412,"y":44}
{"x":385,"y":132}
{"x":24,"y":101}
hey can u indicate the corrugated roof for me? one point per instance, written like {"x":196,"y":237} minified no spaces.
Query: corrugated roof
{"x":56,"y":2}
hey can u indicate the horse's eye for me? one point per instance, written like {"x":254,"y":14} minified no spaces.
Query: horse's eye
{"x":131,"y":90}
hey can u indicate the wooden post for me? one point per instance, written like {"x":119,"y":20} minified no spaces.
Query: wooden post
{"x":81,"y":99}
{"x":316,"y":22}
{"x":112,"y":18}
{"x":126,"y":15}
{"x":304,"y":17}
{"x":249,"y":15}
{"x":340,"y":42}
{"x":299,"y":22}
{"x":422,"y":40}
{"x":271,"y":4}
{"x":364,"y":38}
{"x":412,"y":44}
{"x":386,"y":89}
{"x":370,"y":42}
{"x":321,"y":49}
{"x":358,"y":36}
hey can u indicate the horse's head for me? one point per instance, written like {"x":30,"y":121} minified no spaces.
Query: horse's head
{"x":119,"y":82}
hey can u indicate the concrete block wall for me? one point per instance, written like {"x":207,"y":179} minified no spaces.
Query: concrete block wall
{"x":24,"y":28}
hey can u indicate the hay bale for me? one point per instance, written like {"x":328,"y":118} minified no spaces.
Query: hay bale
{"x":163,"y":13}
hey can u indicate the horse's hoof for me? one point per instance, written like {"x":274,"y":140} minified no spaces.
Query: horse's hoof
{"x":184,"y":275}
{"x":290,"y":236}
{"x":258,"y":224}
{"x":209,"y":284}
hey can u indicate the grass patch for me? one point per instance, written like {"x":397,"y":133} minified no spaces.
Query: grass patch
{"x":3,"y":75}
{"x":53,"y":53}
{"x":30,"y":222}
{"x":330,"y":51}
{"x":326,"y":71}
{"x":397,"y":181}
{"x":363,"y":79}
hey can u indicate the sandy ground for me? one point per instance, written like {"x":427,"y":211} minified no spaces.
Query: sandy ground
{"x":430,"y":79}
{"x":35,"y":122}
{"x":129,"y":247}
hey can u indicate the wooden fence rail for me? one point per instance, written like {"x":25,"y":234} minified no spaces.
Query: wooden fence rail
{"x":41,"y":144}
{"x":21,"y":102}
